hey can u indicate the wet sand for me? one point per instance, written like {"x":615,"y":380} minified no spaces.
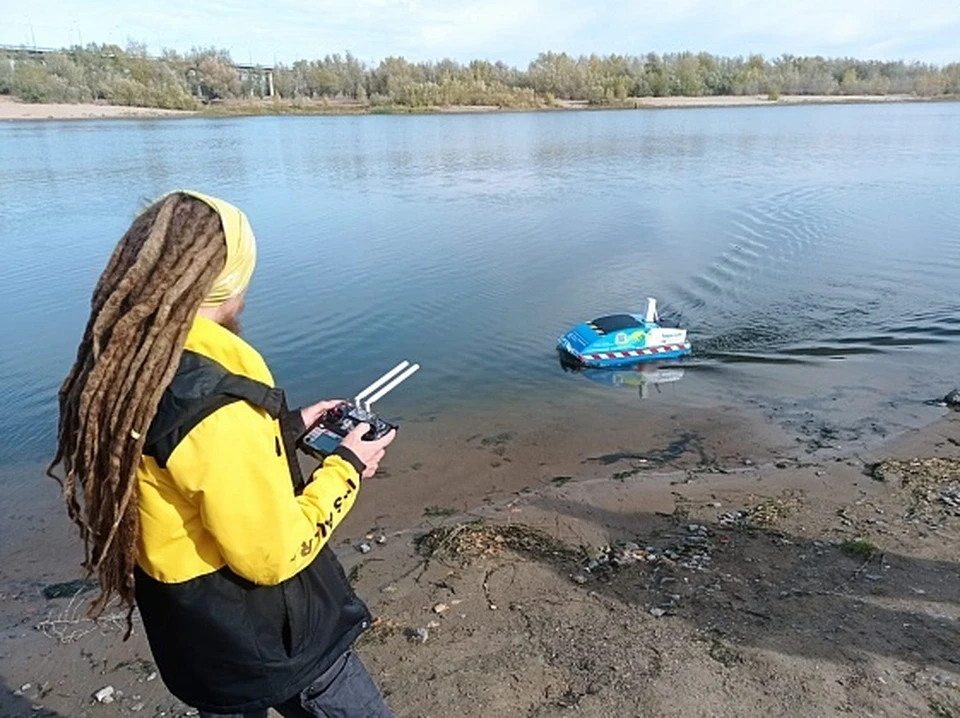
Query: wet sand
{"x":763,"y":608}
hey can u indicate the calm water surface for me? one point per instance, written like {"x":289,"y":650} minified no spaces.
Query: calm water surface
{"x":813,"y":252}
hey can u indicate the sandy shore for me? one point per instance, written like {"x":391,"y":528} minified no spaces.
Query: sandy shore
{"x":759,"y":576}
{"x":336,"y":107}
{"x":11,"y":109}
{"x":804,"y":590}
{"x":764,"y":100}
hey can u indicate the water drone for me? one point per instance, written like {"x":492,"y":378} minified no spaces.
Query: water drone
{"x":623,"y":339}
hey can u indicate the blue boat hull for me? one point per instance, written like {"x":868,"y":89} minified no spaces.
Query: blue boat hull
{"x":612,"y":360}
{"x":615,"y":359}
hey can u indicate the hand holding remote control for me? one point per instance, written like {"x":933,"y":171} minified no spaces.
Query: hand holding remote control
{"x":369,"y":451}
{"x":311,"y":414}
{"x":343,"y":419}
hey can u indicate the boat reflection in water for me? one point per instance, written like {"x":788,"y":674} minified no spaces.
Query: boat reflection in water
{"x":642,"y":376}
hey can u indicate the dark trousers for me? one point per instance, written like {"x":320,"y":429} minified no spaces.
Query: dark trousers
{"x":345,"y":690}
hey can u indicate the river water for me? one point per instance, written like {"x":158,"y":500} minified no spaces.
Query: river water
{"x":812,"y":252}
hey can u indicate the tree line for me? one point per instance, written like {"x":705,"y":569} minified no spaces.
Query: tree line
{"x":129,"y":76}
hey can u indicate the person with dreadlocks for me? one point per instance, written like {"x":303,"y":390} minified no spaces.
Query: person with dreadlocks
{"x":180,"y":470}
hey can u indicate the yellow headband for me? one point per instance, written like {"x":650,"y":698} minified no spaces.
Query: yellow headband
{"x":241,"y":251}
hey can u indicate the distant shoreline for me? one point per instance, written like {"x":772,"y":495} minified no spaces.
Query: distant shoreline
{"x":13,"y":110}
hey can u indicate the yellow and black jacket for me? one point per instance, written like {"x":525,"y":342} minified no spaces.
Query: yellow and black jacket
{"x":242,"y":599}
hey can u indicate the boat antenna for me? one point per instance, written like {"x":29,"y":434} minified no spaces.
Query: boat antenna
{"x":651,"y":315}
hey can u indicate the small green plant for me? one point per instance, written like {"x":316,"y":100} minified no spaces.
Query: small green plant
{"x":433,"y":511}
{"x":858,"y":548}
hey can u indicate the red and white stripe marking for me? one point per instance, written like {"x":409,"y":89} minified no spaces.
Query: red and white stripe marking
{"x":665,"y":349}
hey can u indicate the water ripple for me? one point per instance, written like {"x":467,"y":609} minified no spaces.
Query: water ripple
{"x":785,"y":245}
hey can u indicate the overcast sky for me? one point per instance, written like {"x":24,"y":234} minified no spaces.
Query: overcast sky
{"x":510,"y":30}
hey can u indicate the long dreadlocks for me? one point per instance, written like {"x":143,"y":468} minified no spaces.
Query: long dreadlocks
{"x":141,"y":311}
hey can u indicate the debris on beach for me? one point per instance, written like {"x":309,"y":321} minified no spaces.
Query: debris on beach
{"x":733,"y":519}
{"x":768,"y":512}
{"x":105,"y":695}
{"x":951,"y":497}
{"x":417,"y":635}
{"x":692,"y":552}
{"x":934,"y":484}
{"x":952,"y":400}
{"x":70,"y":623}
{"x":876,"y":471}
{"x":475,"y":540}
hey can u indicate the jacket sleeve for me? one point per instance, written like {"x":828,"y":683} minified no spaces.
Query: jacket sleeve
{"x":233,"y":467}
